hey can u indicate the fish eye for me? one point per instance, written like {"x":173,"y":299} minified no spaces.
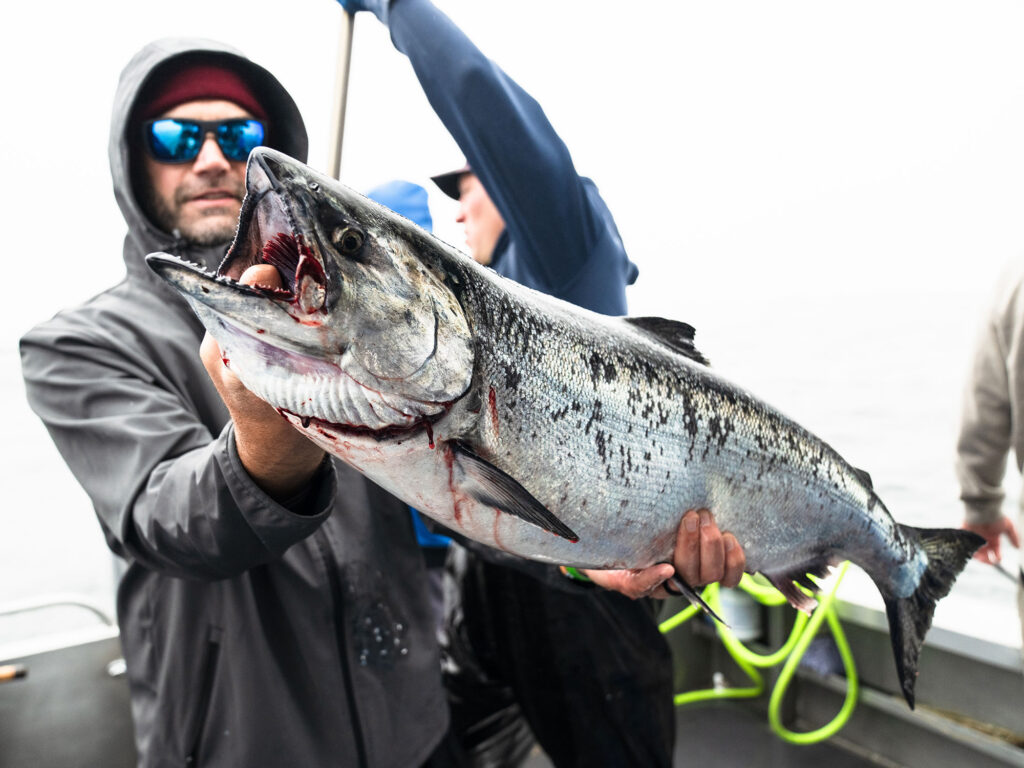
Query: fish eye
{"x":348,"y":240}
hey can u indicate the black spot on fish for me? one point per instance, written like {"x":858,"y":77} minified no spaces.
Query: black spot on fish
{"x":690,"y":422}
{"x":512,"y":378}
{"x":601,"y":369}
{"x":595,"y":416}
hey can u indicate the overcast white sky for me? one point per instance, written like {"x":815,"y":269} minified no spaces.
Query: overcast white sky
{"x":744,"y":147}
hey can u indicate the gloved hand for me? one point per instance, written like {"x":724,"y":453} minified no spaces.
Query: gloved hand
{"x":378,"y":8}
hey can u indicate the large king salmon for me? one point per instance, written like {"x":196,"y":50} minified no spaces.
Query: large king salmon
{"x":530,"y":424}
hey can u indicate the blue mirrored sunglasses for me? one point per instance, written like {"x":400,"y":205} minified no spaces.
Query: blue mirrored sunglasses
{"x":173,"y":140}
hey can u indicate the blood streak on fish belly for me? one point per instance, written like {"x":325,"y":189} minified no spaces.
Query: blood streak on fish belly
{"x":449,"y":460}
{"x":492,"y":410}
{"x":497,"y":529}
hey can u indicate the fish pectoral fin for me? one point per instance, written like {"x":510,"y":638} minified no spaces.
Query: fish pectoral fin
{"x":494,"y":488}
{"x":693,"y":596}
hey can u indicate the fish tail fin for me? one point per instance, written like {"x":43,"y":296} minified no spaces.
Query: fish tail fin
{"x":948,"y":551}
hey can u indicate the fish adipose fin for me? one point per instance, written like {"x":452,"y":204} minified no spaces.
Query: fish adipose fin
{"x":494,"y":488}
{"x":673,"y":334}
{"x":948,"y":551}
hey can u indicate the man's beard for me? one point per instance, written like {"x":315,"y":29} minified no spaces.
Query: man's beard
{"x":206,"y":230}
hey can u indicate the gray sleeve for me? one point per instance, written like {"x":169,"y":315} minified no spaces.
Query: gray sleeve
{"x":168,"y":493}
{"x":985,"y":429}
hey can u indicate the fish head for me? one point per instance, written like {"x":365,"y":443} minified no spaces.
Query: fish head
{"x":364,"y":331}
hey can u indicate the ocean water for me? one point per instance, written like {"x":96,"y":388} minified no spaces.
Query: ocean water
{"x":879,"y":378}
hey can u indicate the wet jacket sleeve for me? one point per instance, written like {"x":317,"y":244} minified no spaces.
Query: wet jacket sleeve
{"x":169,"y":494}
{"x":986,"y":426}
{"x":507,"y":139}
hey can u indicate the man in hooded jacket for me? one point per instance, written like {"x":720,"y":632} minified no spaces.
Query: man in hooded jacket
{"x":262,"y":625}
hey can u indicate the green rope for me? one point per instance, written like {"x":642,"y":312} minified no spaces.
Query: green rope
{"x":804,"y":630}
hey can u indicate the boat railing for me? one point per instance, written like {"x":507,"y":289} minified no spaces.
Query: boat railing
{"x":55,"y":600}
{"x":105,"y":625}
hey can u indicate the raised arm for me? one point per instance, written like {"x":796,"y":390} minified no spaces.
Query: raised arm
{"x":506,"y":137}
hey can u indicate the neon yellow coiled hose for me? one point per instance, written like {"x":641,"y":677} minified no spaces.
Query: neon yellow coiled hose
{"x":804,"y":630}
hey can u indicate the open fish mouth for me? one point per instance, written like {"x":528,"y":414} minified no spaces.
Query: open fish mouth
{"x":269,"y":233}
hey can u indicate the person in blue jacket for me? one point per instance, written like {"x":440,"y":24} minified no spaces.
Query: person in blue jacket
{"x":531,"y":650}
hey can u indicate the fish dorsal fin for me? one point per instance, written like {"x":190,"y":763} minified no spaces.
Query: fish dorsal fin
{"x":864,"y":477}
{"x":672,"y":333}
{"x":494,"y":488}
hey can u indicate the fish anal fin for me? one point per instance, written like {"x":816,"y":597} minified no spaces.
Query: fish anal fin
{"x":494,"y":488}
{"x":792,"y":583}
{"x":672,"y":333}
{"x":793,"y":594}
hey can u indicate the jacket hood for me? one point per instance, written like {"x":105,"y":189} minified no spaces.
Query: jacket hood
{"x":287,"y":133}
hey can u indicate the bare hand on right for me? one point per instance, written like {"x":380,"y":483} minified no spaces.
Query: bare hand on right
{"x":990,"y":551}
{"x":703,"y":554}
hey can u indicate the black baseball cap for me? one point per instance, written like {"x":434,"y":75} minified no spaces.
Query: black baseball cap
{"x":449,"y":182}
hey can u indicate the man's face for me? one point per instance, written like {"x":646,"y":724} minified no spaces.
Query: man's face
{"x":479,"y":217}
{"x":201,"y":198}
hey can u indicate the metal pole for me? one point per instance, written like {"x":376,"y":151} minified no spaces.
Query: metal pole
{"x":337,"y":131}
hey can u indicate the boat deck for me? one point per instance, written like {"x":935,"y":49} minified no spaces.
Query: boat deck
{"x":73,"y":706}
{"x":724,"y":734}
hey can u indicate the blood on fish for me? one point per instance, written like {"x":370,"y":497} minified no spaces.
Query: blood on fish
{"x":497,"y":519}
{"x":290,"y":255}
{"x":430,"y":434}
{"x":282,"y":252}
{"x":449,"y":459}
{"x":309,"y":266}
{"x":395,"y":432}
{"x":492,"y":404}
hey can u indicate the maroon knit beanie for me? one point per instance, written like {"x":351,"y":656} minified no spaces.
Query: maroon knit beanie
{"x":195,"y":82}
